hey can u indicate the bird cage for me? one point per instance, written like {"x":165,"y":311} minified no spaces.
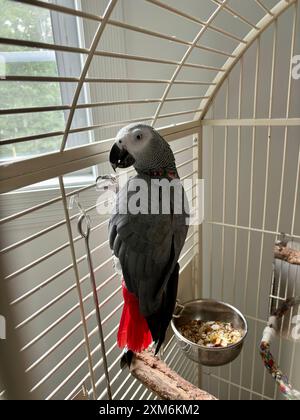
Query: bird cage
{"x":220,"y":81}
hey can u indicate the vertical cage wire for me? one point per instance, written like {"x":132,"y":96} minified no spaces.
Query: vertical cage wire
{"x":262,"y":235}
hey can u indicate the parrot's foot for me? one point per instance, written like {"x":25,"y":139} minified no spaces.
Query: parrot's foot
{"x":126,"y":359}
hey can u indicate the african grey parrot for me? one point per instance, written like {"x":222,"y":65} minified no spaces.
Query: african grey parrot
{"x":147,"y":244}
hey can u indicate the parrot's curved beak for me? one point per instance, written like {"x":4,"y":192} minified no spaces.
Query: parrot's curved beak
{"x":120,"y":158}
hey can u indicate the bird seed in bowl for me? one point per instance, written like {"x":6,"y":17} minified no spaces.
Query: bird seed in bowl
{"x":214,"y":334}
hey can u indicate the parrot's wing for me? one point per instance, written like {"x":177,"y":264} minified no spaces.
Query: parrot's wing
{"x":148,"y":247}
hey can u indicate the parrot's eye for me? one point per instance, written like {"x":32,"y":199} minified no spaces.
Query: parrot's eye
{"x":139,"y":136}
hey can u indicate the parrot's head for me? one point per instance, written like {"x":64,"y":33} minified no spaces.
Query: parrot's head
{"x":141,"y":146}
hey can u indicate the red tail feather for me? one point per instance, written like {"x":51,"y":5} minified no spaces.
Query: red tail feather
{"x":134,"y":333}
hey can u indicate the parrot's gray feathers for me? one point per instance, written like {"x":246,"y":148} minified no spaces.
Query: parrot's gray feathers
{"x":159,"y":322}
{"x":143,"y":243}
{"x":117,"y":244}
{"x":112,"y":236}
{"x":148,"y":245}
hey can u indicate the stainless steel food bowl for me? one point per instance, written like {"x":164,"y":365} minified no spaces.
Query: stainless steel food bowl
{"x":209,"y":310}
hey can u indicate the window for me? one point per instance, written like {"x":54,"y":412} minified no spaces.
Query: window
{"x":33,"y":24}
{"x":38,"y":25}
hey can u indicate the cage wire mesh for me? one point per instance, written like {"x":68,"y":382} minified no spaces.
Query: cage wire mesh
{"x":221,"y":91}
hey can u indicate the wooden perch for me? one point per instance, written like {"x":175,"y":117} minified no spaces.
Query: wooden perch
{"x":164,"y":382}
{"x":287,"y":254}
